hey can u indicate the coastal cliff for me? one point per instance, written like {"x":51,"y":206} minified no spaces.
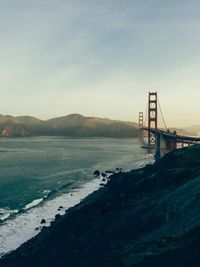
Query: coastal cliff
{"x":146,"y":217}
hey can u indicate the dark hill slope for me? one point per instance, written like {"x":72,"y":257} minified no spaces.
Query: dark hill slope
{"x":147,"y":217}
{"x":81,"y":126}
{"x":17,"y":126}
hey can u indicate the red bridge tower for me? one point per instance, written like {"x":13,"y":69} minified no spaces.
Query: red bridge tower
{"x":141,"y":120}
{"x":152,"y":118}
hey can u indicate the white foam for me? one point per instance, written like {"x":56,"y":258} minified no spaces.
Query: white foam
{"x":5,"y":213}
{"x":15,"y":232}
{"x":33,"y":203}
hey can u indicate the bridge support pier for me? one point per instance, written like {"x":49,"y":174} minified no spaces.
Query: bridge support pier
{"x":164,"y":145}
{"x":158,"y":151}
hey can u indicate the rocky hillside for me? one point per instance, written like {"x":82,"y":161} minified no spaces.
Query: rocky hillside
{"x":74,"y":125}
{"x":17,"y":126}
{"x":78,"y":125}
{"x":148,"y":217}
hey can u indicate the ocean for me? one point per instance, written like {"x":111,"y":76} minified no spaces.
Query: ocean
{"x":44,"y":176}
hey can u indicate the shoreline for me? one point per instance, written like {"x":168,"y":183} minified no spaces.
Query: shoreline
{"x":143,"y":218}
{"x":54,"y":225}
{"x":28,"y":224}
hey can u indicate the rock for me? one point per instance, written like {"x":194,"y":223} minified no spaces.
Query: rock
{"x":57,"y":216}
{"x":119,"y":169}
{"x":101,"y":184}
{"x":97,"y":173}
{"x":138,"y":199}
{"x":43,"y":221}
{"x":103,"y":174}
{"x":103,"y":180}
{"x":60,"y":208}
{"x":37,"y":228}
{"x":71,"y":194}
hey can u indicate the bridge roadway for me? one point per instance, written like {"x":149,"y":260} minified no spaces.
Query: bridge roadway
{"x":172,"y":136}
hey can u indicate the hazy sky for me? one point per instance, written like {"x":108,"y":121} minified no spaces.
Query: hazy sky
{"x":100,"y":58}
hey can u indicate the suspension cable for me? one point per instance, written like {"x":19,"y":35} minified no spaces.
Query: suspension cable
{"x":145,"y":120}
{"x":162,"y":115}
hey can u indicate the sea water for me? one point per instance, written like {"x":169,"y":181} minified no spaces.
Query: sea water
{"x":44,"y":176}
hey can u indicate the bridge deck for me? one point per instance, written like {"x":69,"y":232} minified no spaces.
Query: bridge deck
{"x":170,"y":135}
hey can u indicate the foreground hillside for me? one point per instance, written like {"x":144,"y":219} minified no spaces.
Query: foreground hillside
{"x":73,"y":125}
{"x":147,"y":217}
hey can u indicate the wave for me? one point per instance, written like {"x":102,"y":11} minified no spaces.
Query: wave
{"x":46,"y":192}
{"x":51,"y":193}
{"x":27,"y":223}
{"x":33,"y":203}
{"x":6,"y":213}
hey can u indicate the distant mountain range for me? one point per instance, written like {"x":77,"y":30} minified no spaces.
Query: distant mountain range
{"x":74,"y":125}
{"x":194,"y":129}
{"x":183,"y":131}
{"x":189,"y":130}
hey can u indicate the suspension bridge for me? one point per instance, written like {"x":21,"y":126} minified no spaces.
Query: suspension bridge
{"x":161,"y":140}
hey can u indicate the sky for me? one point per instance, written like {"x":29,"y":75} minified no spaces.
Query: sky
{"x":100,"y":58}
